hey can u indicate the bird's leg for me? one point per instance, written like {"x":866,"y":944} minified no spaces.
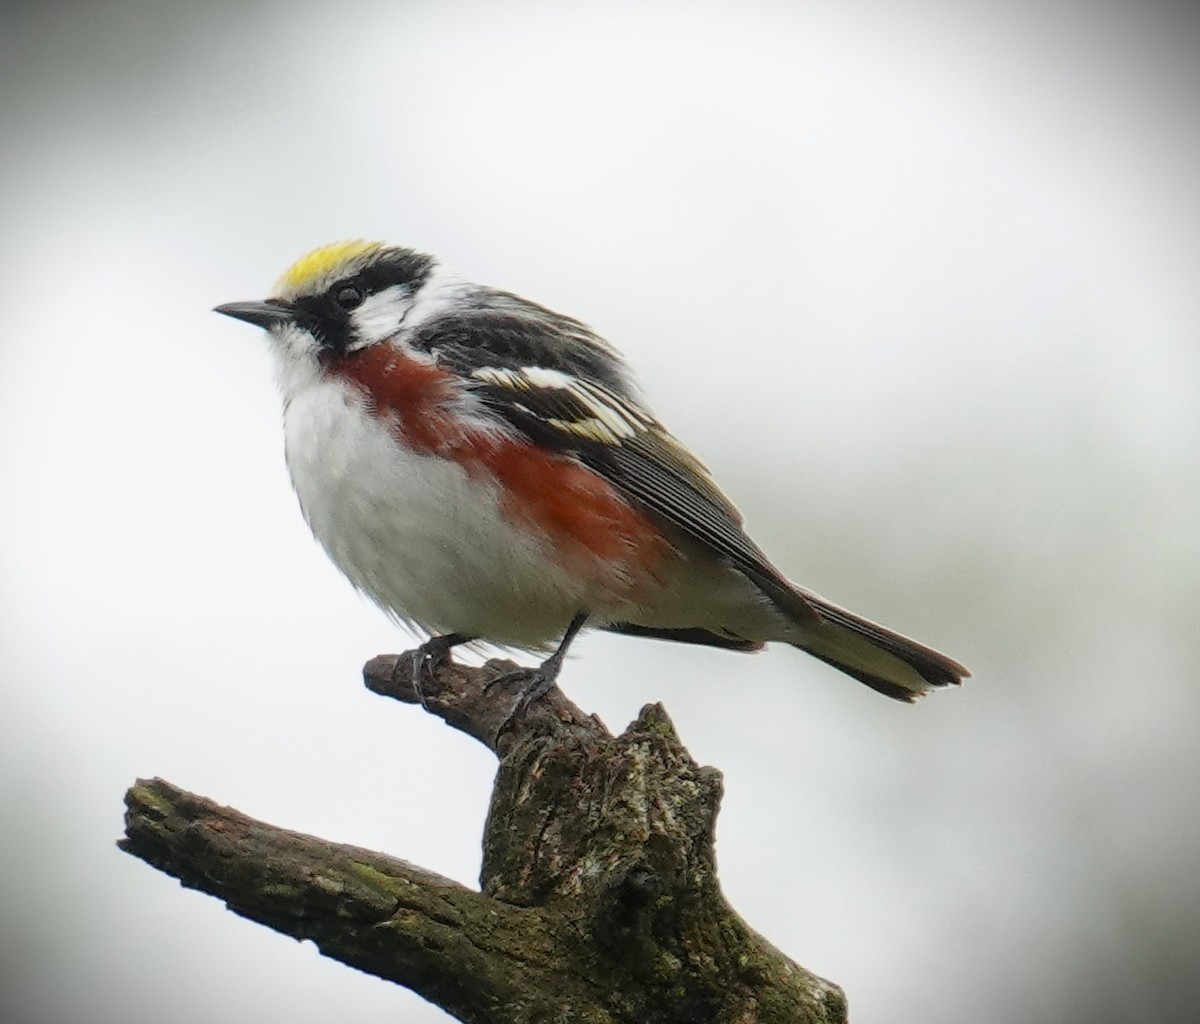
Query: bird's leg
{"x":431,"y":656}
{"x":537,"y":682}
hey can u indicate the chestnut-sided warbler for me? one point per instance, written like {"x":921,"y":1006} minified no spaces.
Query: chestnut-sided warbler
{"x":485,"y":469}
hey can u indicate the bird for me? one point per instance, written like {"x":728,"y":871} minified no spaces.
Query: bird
{"x":486,"y":470}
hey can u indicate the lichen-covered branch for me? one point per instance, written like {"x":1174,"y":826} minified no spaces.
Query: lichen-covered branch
{"x":599,"y":901}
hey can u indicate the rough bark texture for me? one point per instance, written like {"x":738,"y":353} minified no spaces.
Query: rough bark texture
{"x":599,"y":902}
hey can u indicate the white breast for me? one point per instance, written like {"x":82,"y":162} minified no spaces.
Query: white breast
{"x":424,"y":540}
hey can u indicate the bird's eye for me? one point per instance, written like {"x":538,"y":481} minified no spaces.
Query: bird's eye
{"x":349,"y":296}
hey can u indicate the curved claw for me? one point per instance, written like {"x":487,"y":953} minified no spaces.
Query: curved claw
{"x":424,"y":661}
{"x":537,"y":682}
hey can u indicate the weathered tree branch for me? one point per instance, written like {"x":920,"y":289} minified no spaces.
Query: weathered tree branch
{"x":599,"y":902}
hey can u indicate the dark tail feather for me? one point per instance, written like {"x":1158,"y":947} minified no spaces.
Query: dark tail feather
{"x":882,"y":659}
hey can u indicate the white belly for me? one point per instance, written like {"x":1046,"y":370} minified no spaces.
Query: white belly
{"x":424,"y":540}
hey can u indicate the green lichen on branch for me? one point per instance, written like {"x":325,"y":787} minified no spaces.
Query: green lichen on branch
{"x":599,"y":899}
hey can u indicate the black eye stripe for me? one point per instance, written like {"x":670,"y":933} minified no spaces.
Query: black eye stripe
{"x":329,"y":313}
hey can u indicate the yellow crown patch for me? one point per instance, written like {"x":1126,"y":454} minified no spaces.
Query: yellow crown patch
{"x":324,"y":264}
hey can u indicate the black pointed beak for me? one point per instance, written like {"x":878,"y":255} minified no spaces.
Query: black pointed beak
{"x":261,"y":314}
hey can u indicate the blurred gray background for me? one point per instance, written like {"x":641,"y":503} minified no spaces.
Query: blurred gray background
{"x":918,"y":280}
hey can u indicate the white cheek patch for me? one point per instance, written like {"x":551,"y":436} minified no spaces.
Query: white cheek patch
{"x":440,"y":294}
{"x":380,"y":315}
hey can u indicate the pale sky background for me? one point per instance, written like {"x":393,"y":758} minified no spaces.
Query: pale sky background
{"x":920,"y":281}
